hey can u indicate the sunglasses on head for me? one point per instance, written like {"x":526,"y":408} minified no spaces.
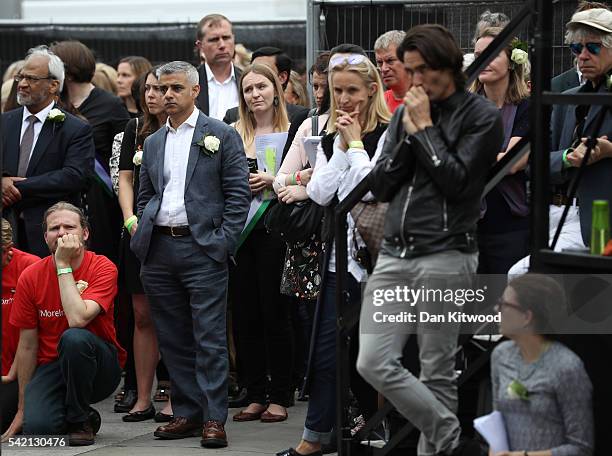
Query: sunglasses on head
{"x":592,"y":48}
{"x":341,"y":59}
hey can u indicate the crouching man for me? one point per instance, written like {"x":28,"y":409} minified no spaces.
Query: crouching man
{"x":68,"y":356}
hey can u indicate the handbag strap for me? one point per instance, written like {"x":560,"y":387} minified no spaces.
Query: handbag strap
{"x":136,"y":136}
{"x":315,"y":124}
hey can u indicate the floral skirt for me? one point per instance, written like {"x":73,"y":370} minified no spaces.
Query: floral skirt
{"x":302,"y":269}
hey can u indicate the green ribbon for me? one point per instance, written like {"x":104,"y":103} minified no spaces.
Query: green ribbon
{"x":245,"y":233}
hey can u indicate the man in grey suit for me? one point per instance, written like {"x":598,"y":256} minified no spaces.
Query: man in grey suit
{"x":590,"y":38}
{"x":193,"y":202}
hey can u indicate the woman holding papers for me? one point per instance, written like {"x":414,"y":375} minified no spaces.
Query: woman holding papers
{"x":260,"y":312}
{"x":539,"y":385}
{"x":355,"y":135}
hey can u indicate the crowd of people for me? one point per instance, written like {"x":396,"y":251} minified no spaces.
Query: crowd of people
{"x":173,"y":222}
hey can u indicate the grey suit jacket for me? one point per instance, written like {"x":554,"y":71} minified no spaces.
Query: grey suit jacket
{"x":565,"y":81}
{"x":217,"y":193}
{"x":596,"y":182}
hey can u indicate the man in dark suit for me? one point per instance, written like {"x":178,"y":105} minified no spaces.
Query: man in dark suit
{"x":589,"y":34}
{"x":565,"y":81}
{"x":218,"y":76}
{"x":193,"y":202}
{"x":48,"y":153}
{"x":281,"y":64}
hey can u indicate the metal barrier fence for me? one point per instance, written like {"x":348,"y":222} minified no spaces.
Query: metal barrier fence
{"x":157,"y":42}
{"x":332,"y":22}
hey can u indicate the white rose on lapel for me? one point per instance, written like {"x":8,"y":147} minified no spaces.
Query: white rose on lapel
{"x":209,"y":144}
{"x":56,"y":115}
{"x":137,"y":159}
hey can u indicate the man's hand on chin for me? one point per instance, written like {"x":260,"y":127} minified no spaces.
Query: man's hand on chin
{"x":417,"y":109}
{"x":69,"y":247}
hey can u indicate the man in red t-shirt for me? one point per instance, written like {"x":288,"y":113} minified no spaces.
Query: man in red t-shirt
{"x":391,"y":68}
{"x":68,"y":355}
{"x":14,"y":261}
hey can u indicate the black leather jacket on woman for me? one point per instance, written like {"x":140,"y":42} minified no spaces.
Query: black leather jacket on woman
{"x":434,"y":179}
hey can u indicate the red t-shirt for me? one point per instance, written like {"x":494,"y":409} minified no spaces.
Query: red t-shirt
{"x":10,"y":275}
{"x":38,"y":304}
{"x":392,"y":103}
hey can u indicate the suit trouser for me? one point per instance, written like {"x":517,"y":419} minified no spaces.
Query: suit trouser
{"x":430,"y":401}
{"x":187,"y":292}
{"x":87,"y":371}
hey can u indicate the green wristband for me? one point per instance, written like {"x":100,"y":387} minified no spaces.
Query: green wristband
{"x":566,"y":163}
{"x":130,"y":222}
{"x":61,"y":271}
{"x":356,"y":145}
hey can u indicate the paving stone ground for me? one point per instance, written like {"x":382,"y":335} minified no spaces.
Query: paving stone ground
{"x":117,"y":438}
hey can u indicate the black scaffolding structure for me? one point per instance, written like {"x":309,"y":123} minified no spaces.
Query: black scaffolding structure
{"x":595,"y":350}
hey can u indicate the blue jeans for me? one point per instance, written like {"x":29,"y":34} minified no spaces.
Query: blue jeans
{"x":87,"y":371}
{"x":321,"y":415}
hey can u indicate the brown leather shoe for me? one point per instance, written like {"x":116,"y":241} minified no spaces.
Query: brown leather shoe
{"x":80,"y":434}
{"x":213,"y":435}
{"x":248,"y":416}
{"x":179,"y":428}
{"x":267,"y":417}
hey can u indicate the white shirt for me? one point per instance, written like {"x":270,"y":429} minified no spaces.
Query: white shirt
{"x":221,"y":95}
{"x":176,"y":156}
{"x":342,"y":174}
{"x":41,"y":115}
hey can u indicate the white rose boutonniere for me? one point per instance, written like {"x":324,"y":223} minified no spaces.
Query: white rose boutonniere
{"x":137,"y":159}
{"x":516,"y":390}
{"x":209,"y":144}
{"x":609,"y":82}
{"x":56,"y":115}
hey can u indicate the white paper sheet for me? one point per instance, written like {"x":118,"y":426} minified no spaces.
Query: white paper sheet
{"x":311,"y":143}
{"x":275,"y":142}
{"x":493,"y":429}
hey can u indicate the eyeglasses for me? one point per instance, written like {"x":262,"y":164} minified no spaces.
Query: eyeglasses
{"x":501,"y":303}
{"x":29,"y":79}
{"x":350,"y":59}
{"x":593,"y":48}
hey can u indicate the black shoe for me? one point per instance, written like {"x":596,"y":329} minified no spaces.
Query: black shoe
{"x":292,"y":452}
{"x":238,"y":400}
{"x":80,"y":434}
{"x":127,"y":403}
{"x":95,"y":420}
{"x":161,"y":417}
{"x":141,"y":415}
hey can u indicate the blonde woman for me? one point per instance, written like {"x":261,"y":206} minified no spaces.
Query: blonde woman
{"x":260,"y":312}
{"x":503,"y":231}
{"x":295,"y":93}
{"x":355,"y":134}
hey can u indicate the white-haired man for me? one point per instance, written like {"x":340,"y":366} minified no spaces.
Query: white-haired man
{"x":391,"y":67}
{"x":48,"y":153}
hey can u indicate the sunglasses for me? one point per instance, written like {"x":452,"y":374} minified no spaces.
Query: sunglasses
{"x":341,"y":59}
{"x":593,"y":48}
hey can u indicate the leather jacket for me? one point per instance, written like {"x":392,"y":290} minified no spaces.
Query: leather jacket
{"x":434,"y":179}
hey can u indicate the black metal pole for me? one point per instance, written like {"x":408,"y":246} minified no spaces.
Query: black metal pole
{"x":541,"y":43}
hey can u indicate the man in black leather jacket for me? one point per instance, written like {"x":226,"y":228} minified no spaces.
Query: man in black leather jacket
{"x":439,"y":149}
